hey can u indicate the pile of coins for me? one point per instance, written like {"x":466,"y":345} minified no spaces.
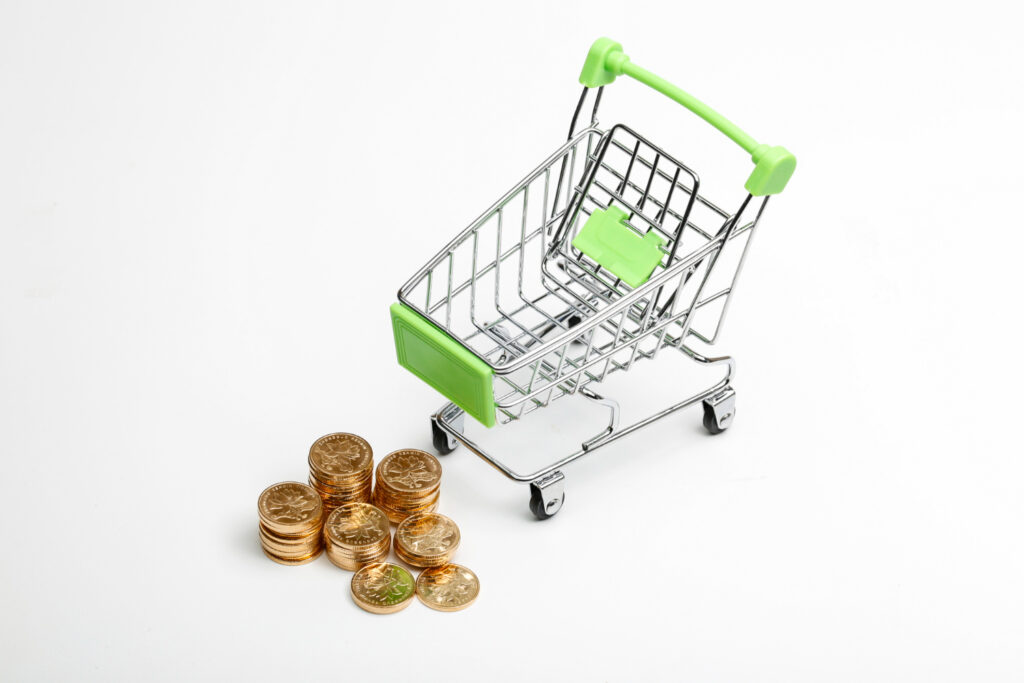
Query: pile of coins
{"x":408,"y":482}
{"x":341,"y":469}
{"x":427,"y":539}
{"x":385,"y":588}
{"x":297,"y":522}
{"x":291,"y":515}
{"x":357,"y":534}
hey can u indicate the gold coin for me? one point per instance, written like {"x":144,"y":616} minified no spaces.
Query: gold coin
{"x":409,"y":506}
{"x":409,"y":471}
{"x":357,"y":524}
{"x":448,"y":588}
{"x":292,"y":562}
{"x":423,"y":563}
{"x":427,"y":535}
{"x":383,"y":588}
{"x":352,"y":563}
{"x":332,"y":499}
{"x":407,"y":502}
{"x":288,"y":541}
{"x":288,"y":538}
{"x":340,"y":455}
{"x":288,"y":548}
{"x":399,"y":517}
{"x":339,"y":488}
{"x":293,"y":554}
{"x":290,"y":508}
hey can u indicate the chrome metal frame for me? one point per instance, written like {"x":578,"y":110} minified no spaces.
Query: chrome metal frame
{"x":551,"y":322}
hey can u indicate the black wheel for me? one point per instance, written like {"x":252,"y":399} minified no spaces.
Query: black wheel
{"x":537,"y":504}
{"x":710,"y":423}
{"x":441,"y":442}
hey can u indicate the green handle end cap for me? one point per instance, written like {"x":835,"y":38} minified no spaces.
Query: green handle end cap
{"x":773,"y":168}
{"x":604,"y":62}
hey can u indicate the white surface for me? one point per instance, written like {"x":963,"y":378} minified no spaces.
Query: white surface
{"x":206,"y":209}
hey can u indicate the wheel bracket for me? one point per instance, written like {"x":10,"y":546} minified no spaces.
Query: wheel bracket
{"x":550,"y":490}
{"x":723,"y":407}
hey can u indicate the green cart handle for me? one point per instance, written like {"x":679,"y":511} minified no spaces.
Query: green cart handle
{"x":773,"y":166}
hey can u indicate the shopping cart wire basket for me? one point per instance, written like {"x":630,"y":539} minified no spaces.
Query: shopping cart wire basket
{"x":604,"y":255}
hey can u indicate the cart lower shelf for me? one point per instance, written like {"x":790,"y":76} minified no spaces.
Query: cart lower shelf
{"x":547,"y":485}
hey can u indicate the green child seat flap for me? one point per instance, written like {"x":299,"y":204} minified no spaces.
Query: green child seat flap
{"x":443,"y":363}
{"x":615,"y":247}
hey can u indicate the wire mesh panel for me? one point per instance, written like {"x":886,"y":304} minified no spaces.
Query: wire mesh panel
{"x":484,"y":288}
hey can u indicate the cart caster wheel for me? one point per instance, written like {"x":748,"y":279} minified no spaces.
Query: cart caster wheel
{"x":537,"y":506}
{"x":719,"y":411}
{"x":710,"y":423}
{"x":547,"y":495}
{"x":445,"y":443}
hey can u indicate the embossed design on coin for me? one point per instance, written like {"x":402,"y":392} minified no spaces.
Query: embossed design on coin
{"x":355,"y":524}
{"x":410,"y":470}
{"x":448,"y":588}
{"x":383,"y":588}
{"x":340,"y":453}
{"x":290,"y":503}
{"x":427,"y":534}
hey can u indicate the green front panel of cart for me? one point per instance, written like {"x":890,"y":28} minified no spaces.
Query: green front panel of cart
{"x":443,"y":363}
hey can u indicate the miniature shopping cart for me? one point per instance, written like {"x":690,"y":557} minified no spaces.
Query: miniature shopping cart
{"x":604,"y":255}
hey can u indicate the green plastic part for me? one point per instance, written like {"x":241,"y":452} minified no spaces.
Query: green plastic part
{"x":611,"y":243}
{"x":773,"y":165}
{"x":600,"y":68}
{"x":773,"y":168}
{"x":443,"y":363}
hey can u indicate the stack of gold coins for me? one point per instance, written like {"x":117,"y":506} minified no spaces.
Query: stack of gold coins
{"x":291,"y":517}
{"x":408,"y":482}
{"x":383,"y":588}
{"x":426,"y":539}
{"x":341,"y":469}
{"x":357,"y":534}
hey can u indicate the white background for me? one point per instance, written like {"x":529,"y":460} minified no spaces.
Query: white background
{"x":206,"y":209}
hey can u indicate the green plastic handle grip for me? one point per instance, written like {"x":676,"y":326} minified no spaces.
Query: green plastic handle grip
{"x":773,"y":165}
